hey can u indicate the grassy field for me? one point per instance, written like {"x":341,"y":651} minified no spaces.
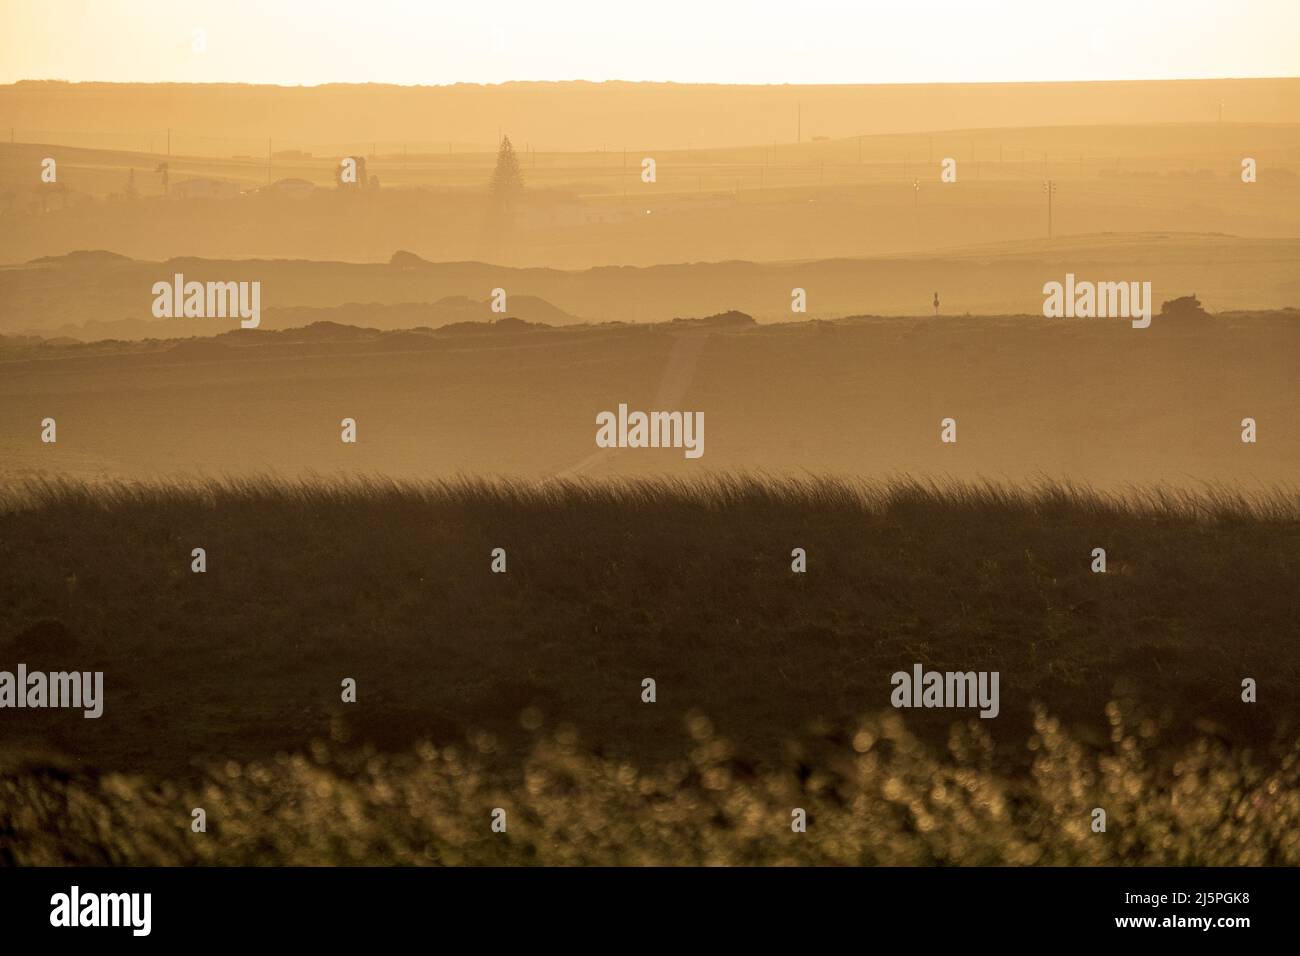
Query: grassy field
{"x":522,"y":690}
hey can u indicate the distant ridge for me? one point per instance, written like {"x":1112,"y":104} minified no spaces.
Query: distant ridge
{"x":587,"y":115}
{"x":102,"y":295}
{"x":82,"y":257}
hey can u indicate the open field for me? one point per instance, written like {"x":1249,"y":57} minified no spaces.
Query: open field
{"x":1096,"y":402}
{"x":609,"y":583}
{"x":688,"y":583}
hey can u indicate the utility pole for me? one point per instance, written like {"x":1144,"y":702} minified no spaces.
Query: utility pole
{"x":1049,"y":187}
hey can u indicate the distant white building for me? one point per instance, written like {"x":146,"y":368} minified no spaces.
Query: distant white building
{"x":572,"y":212}
{"x":204,"y":188}
{"x":291,"y":188}
{"x":609,"y":213}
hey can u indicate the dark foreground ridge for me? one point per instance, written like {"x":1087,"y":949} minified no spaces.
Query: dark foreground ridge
{"x":522,"y":690}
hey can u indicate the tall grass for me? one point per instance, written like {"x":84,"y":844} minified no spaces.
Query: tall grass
{"x":718,"y":492}
{"x":221,"y":687}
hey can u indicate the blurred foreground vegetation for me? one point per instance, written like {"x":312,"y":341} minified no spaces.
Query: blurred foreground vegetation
{"x":876,"y":798}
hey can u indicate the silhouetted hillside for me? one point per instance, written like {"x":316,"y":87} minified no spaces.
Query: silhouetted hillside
{"x":103,"y":299}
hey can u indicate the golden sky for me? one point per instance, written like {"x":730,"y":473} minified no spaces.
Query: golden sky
{"x":760,"y":41}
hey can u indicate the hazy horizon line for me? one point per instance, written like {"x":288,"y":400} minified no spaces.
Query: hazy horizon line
{"x":647,"y":82}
